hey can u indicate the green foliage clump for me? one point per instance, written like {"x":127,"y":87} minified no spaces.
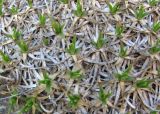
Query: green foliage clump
{"x":144,"y":83}
{"x":79,"y":11}
{"x":47,"y":81}
{"x":72,"y":49}
{"x":5,"y":57}
{"x":114,"y":8}
{"x":140,"y":13}
{"x":124,"y":76}
{"x":42,"y":20}
{"x":100,"y":42}
{"x":73,"y":100}
{"x":103,"y":96}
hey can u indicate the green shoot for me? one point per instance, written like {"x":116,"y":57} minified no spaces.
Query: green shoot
{"x":5,"y":57}
{"x":30,"y":3}
{"x":103,"y":96}
{"x":156,"y":26}
{"x":119,"y":30}
{"x":75,"y":74}
{"x":114,"y":8}
{"x":16,"y":34}
{"x":12,"y":101}
{"x":72,"y":47}
{"x":153,"y":2}
{"x":123,"y":51}
{"x":100,"y":42}
{"x":124,"y":76}
{"x":153,"y":112}
{"x":30,"y":102}
{"x":23,"y":46}
{"x":64,"y":1}
{"x":155,"y":48}
{"x":42,"y":20}
{"x":140,"y":13}
{"x":46,"y":41}
{"x":79,"y":11}
{"x":143,"y":83}
{"x":47,"y":81}
{"x":1,"y":5}
{"x":14,"y":10}
{"x":73,"y":100}
{"x":58,"y":28}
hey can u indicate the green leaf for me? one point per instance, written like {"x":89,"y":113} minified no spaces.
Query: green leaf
{"x":100,"y":42}
{"x":23,"y":46}
{"x":47,"y":81}
{"x":103,"y":96}
{"x":144,"y":83}
{"x":16,"y":34}
{"x":5,"y":57}
{"x":30,"y":101}
{"x":58,"y":28}
{"x":123,"y":51}
{"x":114,"y":8}
{"x":12,"y":101}
{"x":1,"y":6}
{"x":30,"y":3}
{"x":46,"y":41}
{"x":140,"y":13}
{"x":64,"y":1}
{"x":156,"y":26}
{"x":119,"y":30}
{"x":124,"y":76}
{"x":72,"y":47}
{"x":73,"y":100}
{"x":155,"y":48}
{"x":75,"y":74}
{"x":79,"y":11}
{"x":153,"y":2}
{"x":14,"y":10}
{"x":42,"y":20}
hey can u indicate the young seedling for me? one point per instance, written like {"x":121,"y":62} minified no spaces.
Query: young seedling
{"x":100,"y":42}
{"x":124,"y":76}
{"x":5,"y":57}
{"x":12,"y":101}
{"x":30,"y":103}
{"x":155,"y":48}
{"x":73,"y":100}
{"x":64,"y":1}
{"x":23,"y":46}
{"x":140,"y":13}
{"x":103,"y":96}
{"x":79,"y":11}
{"x":156,"y":26}
{"x":75,"y":74}
{"x":144,"y":83}
{"x":119,"y":30}
{"x":14,"y":10}
{"x":30,"y":3}
{"x":72,"y":49}
{"x":114,"y":8}
{"x":58,"y":28}
{"x":153,"y":2}
{"x":122,"y":51}
{"x":47,"y":81}
{"x":16,"y":34}
{"x":1,"y":5}
{"x":46,"y":41}
{"x":42,"y":20}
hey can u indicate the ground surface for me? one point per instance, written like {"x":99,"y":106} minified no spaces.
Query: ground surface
{"x":98,"y":66}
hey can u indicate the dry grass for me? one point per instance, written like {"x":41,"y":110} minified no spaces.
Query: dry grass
{"x":97,"y":65}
